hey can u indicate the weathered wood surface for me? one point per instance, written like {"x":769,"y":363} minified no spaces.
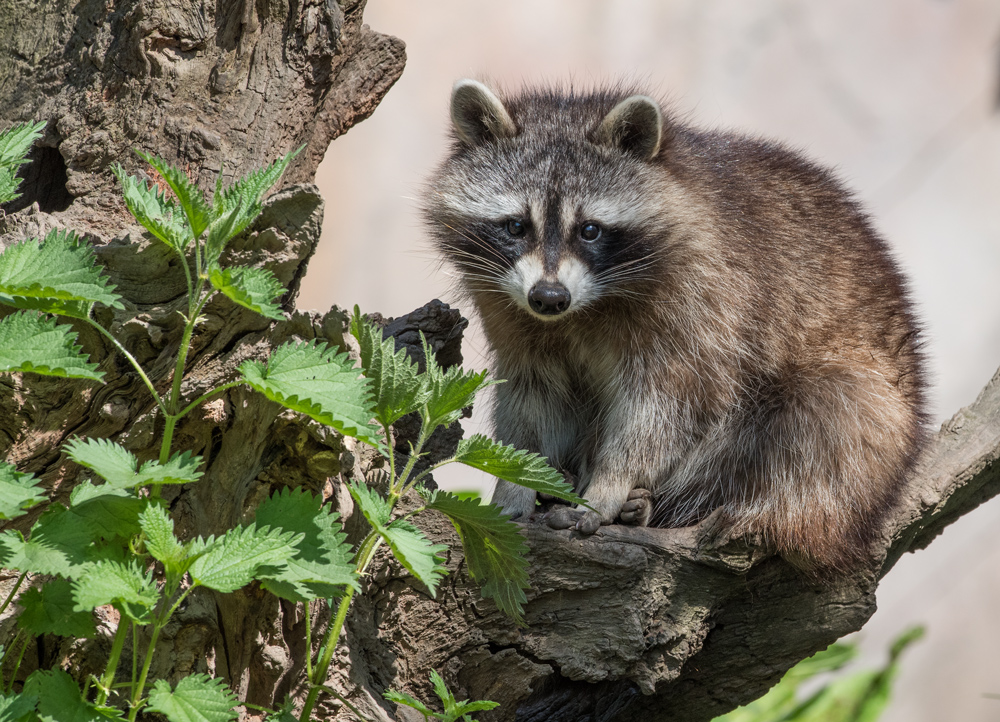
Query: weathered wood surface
{"x":627,"y":624}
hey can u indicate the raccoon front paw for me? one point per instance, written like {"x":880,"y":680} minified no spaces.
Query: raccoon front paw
{"x":585,"y":522}
{"x":638,"y":509}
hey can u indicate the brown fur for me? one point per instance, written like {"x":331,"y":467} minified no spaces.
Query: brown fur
{"x":750,"y":349}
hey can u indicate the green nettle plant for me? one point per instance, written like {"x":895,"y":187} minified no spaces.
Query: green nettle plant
{"x":454,"y":711}
{"x":114,"y":544}
{"x":858,"y":697}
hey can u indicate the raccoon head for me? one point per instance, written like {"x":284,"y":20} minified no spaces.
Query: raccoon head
{"x":549,"y":199}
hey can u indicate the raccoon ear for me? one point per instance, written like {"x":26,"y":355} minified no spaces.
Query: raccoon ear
{"x":478,"y":114}
{"x":635,"y":125}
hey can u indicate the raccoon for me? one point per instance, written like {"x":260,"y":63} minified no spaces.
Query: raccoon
{"x":690,"y":322}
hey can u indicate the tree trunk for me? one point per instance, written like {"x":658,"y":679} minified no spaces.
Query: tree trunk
{"x":626,"y":623}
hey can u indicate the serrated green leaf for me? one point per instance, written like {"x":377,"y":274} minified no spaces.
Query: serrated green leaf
{"x":323,"y":566}
{"x":107,"y":512}
{"x":520,"y":467}
{"x":196,"y":698}
{"x":453,"y":709}
{"x":189,"y":197}
{"x":120,"y":468}
{"x":132,"y":590}
{"x":59,"y":545}
{"x":161,"y":543}
{"x":398,"y":386}
{"x":155,"y":212}
{"x":408,"y":544}
{"x":250,"y":189}
{"x":50,"y":610}
{"x":374,"y":507}
{"x":415,"y":552}
{"x":17,"y":707}
{"x":449,"y":392}
{"x":33,"y":344}
{"x":236,"y":207}
{"x":62,"y":267}
{"x":494,"y":549}
{"x":15,"y":142}
{"x":18,"y":491}
{"x":253,"y":288}
{"x":238,"y":556}
{"x":286,"y":713}
{"x":59,"y":699}
{"x":315,"y":380}
{"x":405,"y":699}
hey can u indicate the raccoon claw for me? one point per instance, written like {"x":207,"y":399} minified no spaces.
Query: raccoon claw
{"x":638,"y":509}
{"x":585,"y":522}
{"x":561,"y":518}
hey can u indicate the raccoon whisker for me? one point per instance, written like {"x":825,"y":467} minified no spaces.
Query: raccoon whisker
{"x":476,"y":240}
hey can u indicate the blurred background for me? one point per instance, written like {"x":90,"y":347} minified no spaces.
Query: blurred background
{"x":900,"y":96}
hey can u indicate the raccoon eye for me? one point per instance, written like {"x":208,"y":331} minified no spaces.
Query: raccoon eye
{"x":590,"y":231}
{"x":515,"y":228}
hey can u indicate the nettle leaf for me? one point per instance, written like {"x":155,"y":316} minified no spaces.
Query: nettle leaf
{"x":250,"y":189}
{"x":237,"y":206}
{"x":494,"y":549}
{"x":450,"y":391}
{"x":51,"y":610}
{"x":405,"y":699}
{"x":16,"y":707}
{"x":286,"y":713}
{"x":409,"y":545}
{"x":415,"y":552}
{"x":398,"y":386}
{"x":132,"y":590}
{"x":59,"y":699}
{"x":189,"y":197}
{"x":107,"y":512}
{"x":253,"y":288}
{"x":315,"y":380}
{"x":60,"y":544}
{"x":161,"y":543}
{"x":155,"y":212}
{"x":196,"y":698}
{"x":15,"y":142}
{"x":120,"y":468}
{"x":31,"y":343}
{"x":238,"y":557}
{"x":60,"y":268}
{"x":453,"y":709}
{"x":19,"y":491}
{"x":324,"y":564}
{"x":520,"y":467}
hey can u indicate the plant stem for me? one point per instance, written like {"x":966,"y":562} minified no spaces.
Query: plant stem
{"x":397,"y":489}
{"x":104,"y":686}
{"x":135,"y":364}
{"x":140,"y":684}
{"x":309,"y":656}
{"x":366,"y":552}
{"x":206,"y":396}
{"x":331,"y":691}
{"x":6,"y":653}
{"x":182,"y":352}
{"x":17,"y":666}
{"x":10,"y":597}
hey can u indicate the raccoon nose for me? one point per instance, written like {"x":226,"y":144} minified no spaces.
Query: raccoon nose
{"x":548,"y":298}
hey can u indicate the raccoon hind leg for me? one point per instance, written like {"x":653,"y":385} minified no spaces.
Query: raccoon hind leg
{"x":822,"y":455}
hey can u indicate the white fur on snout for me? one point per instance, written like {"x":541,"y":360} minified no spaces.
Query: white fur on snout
{"x":578,"y":279}
{"x":520,"y":279}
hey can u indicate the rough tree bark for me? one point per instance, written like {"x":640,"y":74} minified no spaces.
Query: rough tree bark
{"x":628,"y":622}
